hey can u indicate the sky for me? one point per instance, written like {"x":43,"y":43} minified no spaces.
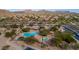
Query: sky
{"x":71,"y":10}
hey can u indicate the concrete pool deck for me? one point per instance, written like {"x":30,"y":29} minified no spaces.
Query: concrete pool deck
{"x":39,"y":38}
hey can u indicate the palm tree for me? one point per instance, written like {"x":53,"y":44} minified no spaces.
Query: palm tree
{"x":43,"y":33}
{"x":28,"y":40}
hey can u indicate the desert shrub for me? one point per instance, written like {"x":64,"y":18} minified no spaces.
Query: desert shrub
{"x":25,"y":29}
{"x":43,"y":32}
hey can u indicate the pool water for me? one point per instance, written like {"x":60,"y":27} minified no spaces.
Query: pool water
{"x":29,"y":34}
{"x":45,"y":39}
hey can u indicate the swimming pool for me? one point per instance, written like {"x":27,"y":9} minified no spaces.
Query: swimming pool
{"x":29,"y":34}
